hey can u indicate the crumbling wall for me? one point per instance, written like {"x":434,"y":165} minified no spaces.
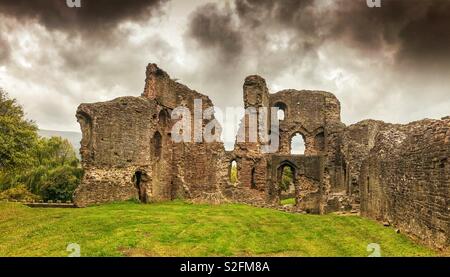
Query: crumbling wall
{"x":307,"y":113}
{"x":315,"y":115}
{"x":205,"y":177}
{"x":128,"y":152}
{"x":406,"y":178}
{"x":357,"y":141}
{"x":115,"y":144}
{"x":252,"y":163}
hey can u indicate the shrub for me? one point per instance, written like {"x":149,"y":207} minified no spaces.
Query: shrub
{"x":60,"y":183}
{"x":18,"y":193}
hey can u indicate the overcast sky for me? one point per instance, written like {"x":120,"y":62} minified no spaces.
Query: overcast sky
{"x":390,"y":63}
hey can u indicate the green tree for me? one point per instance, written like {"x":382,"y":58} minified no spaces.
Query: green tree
{"x":56,"y":171}
{"x":47,"y":167}
{"x":18,"y":136}
{"x":60,"y":183}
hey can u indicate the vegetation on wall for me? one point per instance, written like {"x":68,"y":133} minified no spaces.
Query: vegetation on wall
{"x":32,"y":167}
{"x":287,"y":178}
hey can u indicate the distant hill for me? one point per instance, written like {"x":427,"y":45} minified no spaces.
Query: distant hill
{"x":73,"y":137}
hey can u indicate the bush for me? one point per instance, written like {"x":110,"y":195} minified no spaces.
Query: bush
{"x":60,"y":183}
{"x":19,"y":193}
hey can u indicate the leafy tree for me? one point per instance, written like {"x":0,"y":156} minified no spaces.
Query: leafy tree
{"x":47,"y":167}
{"x":18,"y":136}
{"x":56,"y":171}
{"x":60,"y":183}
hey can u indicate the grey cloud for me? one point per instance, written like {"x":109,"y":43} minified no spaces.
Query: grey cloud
{"x":417,"y":28}
{"x":387,"y":57}
{"x":213,"y":27}
{"x":375,"y":60}
{"x":89,"y":30}
{"x":95,"y":16}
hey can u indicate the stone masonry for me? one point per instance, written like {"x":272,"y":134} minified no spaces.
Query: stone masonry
{"x":393,"y":173}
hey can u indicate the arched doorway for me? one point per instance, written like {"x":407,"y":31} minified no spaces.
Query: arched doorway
{"x":286,"y":179}
{"x":139,"y":180}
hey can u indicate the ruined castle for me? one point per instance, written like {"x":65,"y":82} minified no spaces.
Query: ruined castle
{"x":394,"y":173}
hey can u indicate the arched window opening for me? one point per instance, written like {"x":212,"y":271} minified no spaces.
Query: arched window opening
{"x":233,"y":172}
{"x":156,"y":144}
{"x":297,"y":145}
{"x":282,"y":110}
{"x":163,"y":117}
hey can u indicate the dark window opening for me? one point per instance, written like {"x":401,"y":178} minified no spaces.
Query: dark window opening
{"x":156,"y":143}
{"x":319,"y":142}
{"x":368,"y":185}
{"x":253,"y":181}
{"x":163,"y":117}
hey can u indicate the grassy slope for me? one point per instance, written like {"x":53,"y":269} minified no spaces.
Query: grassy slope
{"x":181,"y":229}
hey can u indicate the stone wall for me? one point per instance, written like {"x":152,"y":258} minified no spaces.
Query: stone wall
{"x":357,"y":141}
{"x":128,"y":152}
{"x":405,"y":179}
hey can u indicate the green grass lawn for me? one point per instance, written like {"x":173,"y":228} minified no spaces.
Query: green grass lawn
{"x":288,"y":201}
{"x":182,"y":229}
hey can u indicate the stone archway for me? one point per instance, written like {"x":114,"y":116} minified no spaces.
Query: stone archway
{"x":286,"y":180}
{"x":140,"y":180}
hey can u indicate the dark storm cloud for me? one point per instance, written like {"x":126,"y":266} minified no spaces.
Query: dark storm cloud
{"x":91,"y":29}
{"x":213,"y":27}
{"x":298,"y":14}
{"x":94,"y":16}
{"x":417,"y":29}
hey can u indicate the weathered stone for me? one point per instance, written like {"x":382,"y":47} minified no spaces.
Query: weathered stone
{"x":405,"y":179}
{"x":394,"y":173}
